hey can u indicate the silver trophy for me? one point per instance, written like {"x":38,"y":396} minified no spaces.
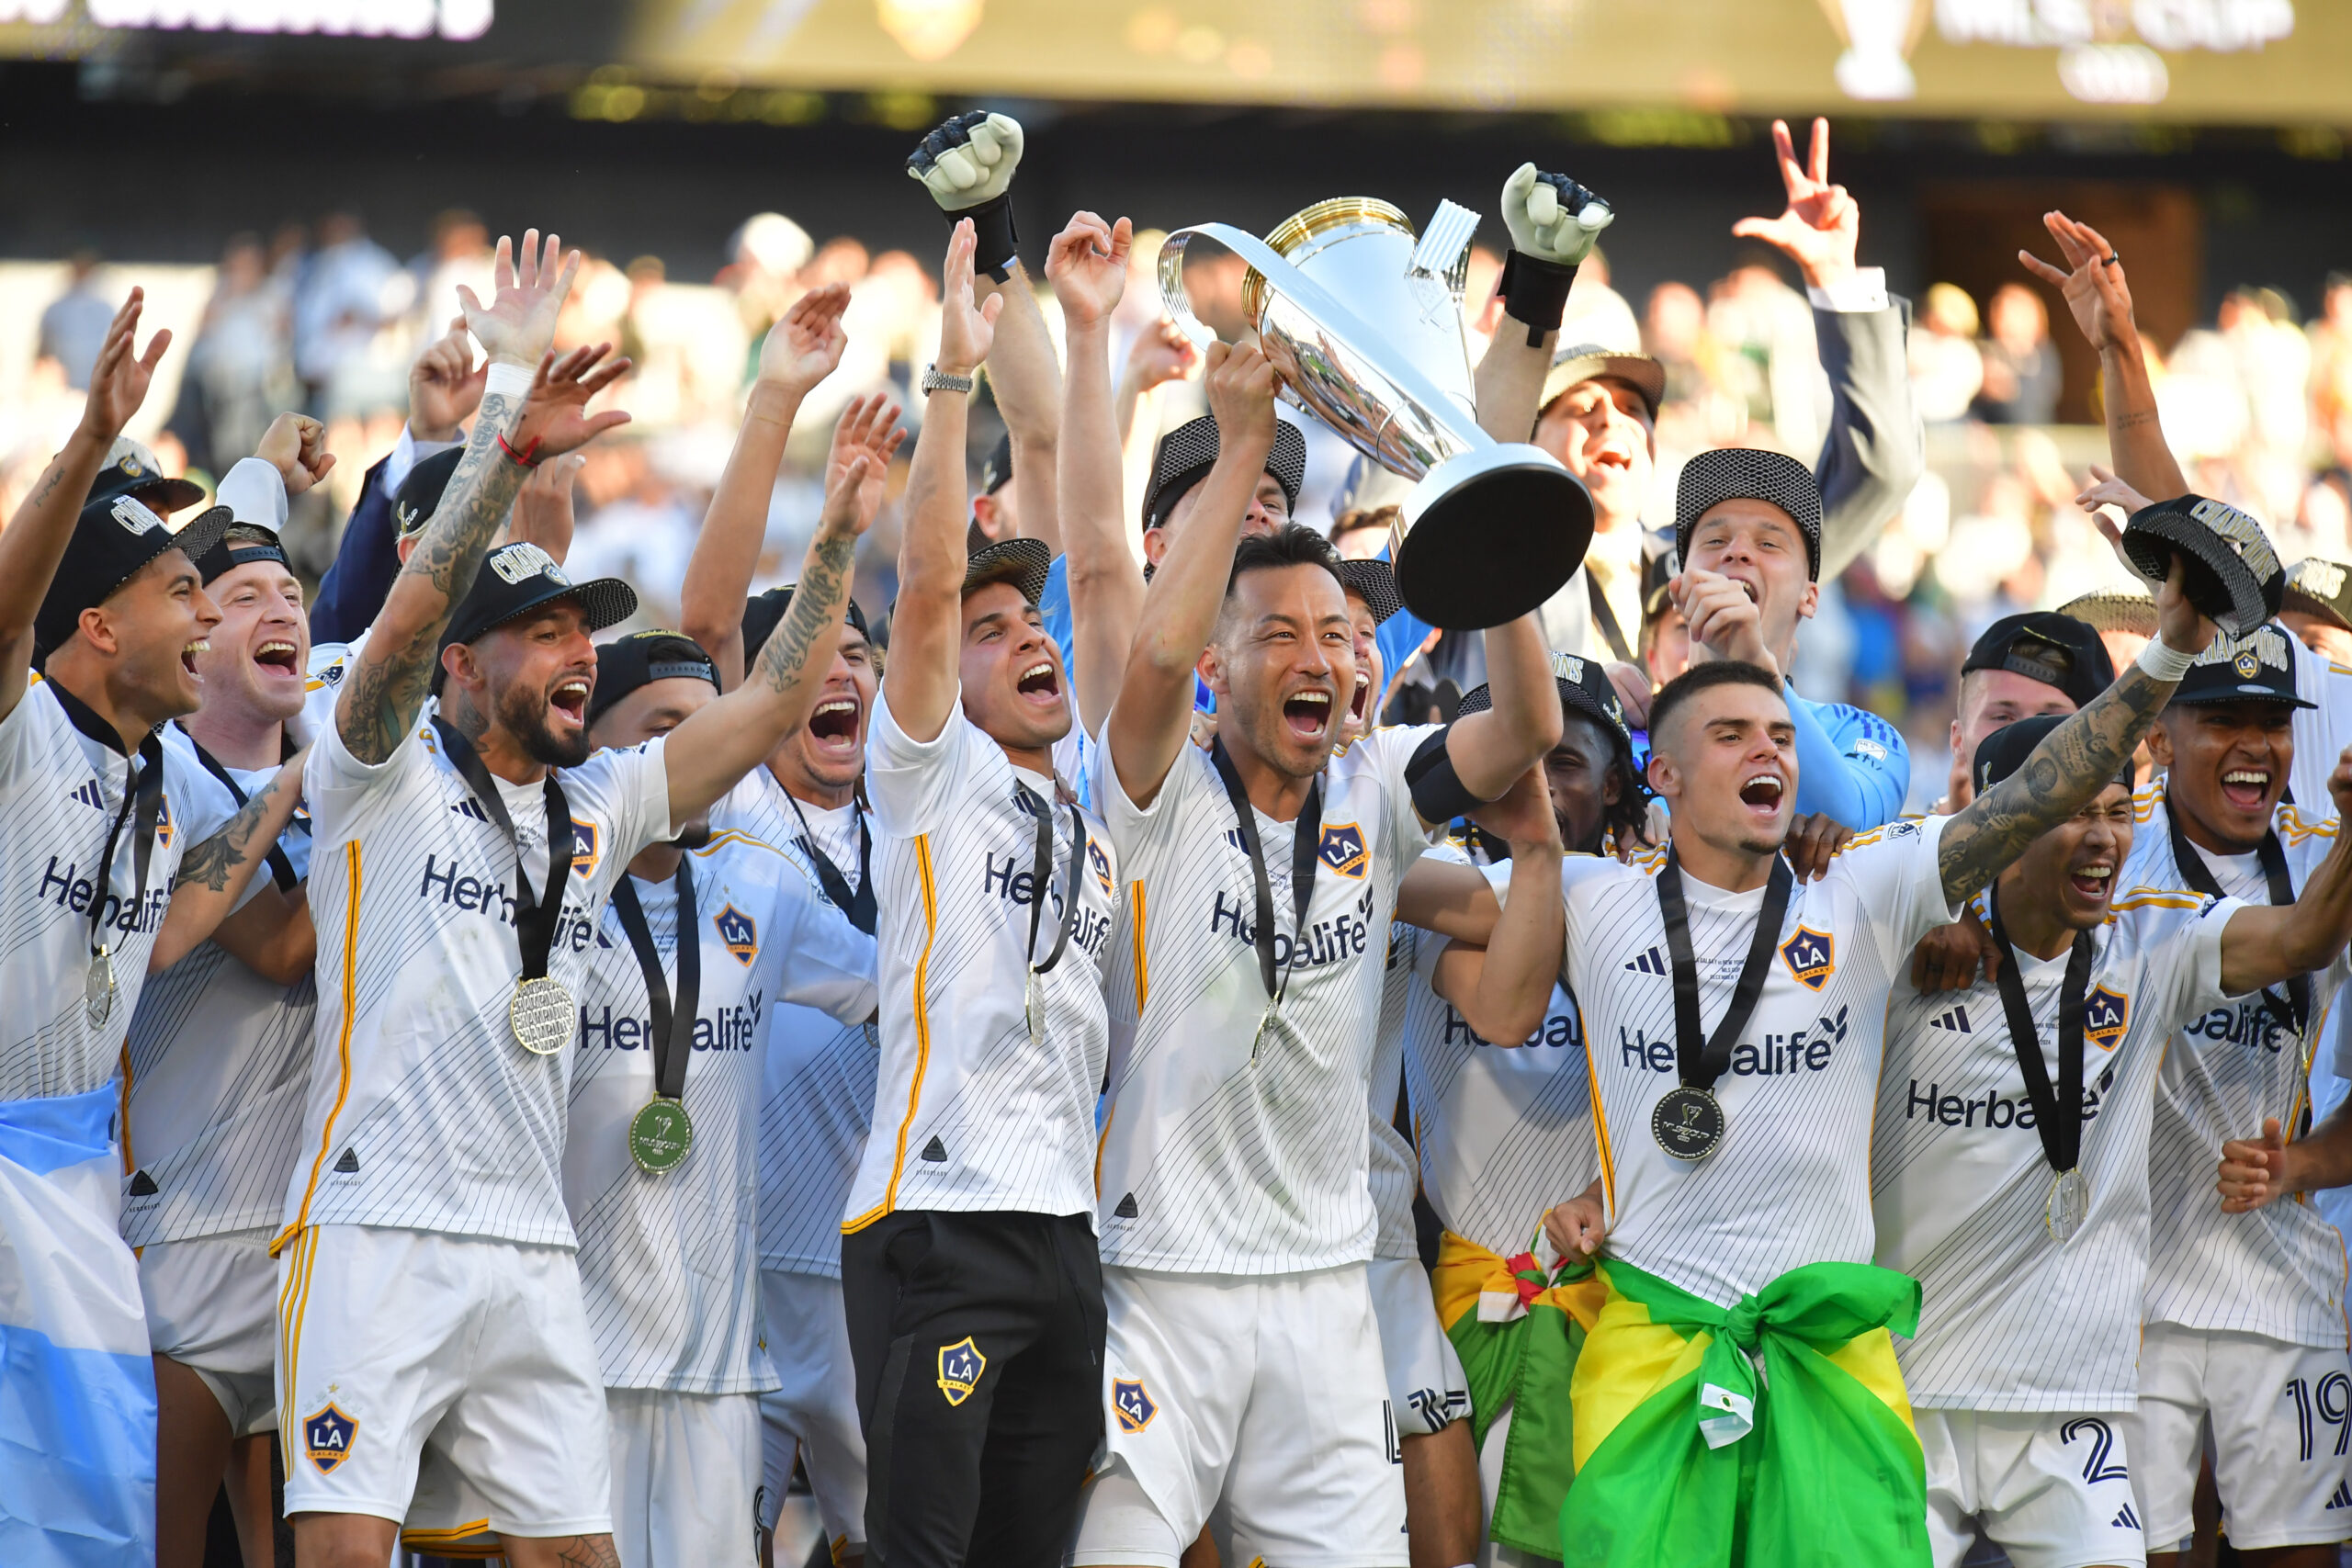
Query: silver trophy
{"x":1363,"y":323}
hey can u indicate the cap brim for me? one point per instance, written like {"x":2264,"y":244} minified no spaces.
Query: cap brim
{"x":167,"y":495}
{"x":1374,"y":581}
{"x":1589,"y":362}
{"x":606,"y":601}
{"x":2302,"y":604}
{"x":2114,"y":610}
{"x":1023,"y":562}
{"x":201,"y":532}
{"x":2251,"y":692}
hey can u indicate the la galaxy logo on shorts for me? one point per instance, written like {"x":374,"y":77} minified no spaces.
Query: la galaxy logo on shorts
{"x":960,"y":1366}
{"x":1132,"y":1402}
{"x":1812,"y":957}
{"x":327,"y":1437}
{"x":583,"y":848}
{"x":1102,"y":864}
{"x":1342,"y":849}
{"x":2105,"y":1012}
{"x":740,"y":932}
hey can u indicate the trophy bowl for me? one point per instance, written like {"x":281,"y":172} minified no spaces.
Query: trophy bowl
{"x":1362,"y":318}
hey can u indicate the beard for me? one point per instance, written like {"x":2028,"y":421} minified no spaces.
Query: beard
{"x":524,"y":714}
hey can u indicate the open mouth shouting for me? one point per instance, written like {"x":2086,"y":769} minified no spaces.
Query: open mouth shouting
{"x":1308,"y":714}
{"x":191,"y":653}
{"x":2246,"y":789}
{"x":570,"y":698}
{"x":832,"y":727}
{"x":1761,"y":791}
{"x":1040,"y":682}
{"x":1360,"y":704}
{"x":277,"y":657}
{"x":2092,"y":883}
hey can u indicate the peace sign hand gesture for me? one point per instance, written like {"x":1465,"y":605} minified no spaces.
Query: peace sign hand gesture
{"x":1823,"y":223}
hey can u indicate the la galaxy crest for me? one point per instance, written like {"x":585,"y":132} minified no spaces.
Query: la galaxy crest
{"x":1812,"y":957}
{"x":164,"y":821}
{"x":2105,"y":1014}
{"x":1102,"y":864}
{"x":584,"y":847}
{"x":960,"y":1366}
{"x":1343,"y":849}
{"x":327,"y":1437}
{"x":1133,"y":1404}
{"x":740,"y":932}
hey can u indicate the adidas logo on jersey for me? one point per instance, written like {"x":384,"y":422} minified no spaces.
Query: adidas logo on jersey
{"x":1126,"y":1209}
{"x":2342,"y":1496}
{"x":90,"y":795}
{"x":142,"y":1185}
{"x":1650,"y":962}
{"x":935,"y":1151}
{"x":1956,"y":1021}
{"x":2126,"y":1519}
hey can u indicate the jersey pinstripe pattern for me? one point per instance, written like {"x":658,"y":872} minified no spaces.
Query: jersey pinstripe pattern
{"x":1790,"y":1184}
{"x":423,"y":1111}
{"x":218,"y":1060}
{"x":668,"y":1263}
{"x":1217,"y":1159}
{"x":60,"y":790}
{"x":2277,"y":1271}
{"x":967,"y":1115}
{"x":1505,"y":1131}
{"x":1391,"y":1169}
{"x":2012,"y":1319}
{"x":2321,"y":732}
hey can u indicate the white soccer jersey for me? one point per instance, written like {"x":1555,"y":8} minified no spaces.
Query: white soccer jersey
{"x":969,"y":1114}
{"x":1390,"y":1166}
{"x":330,"y":663}
{"x":1790,"y":1183}
{"x":668,"y":1261}
{"x":1505,"y":1131}
{"x":424,"y":1111}
{"x":817,"y":1100}
{"x":62,"y":781}
{"x":2013,"y":1320}
{"x":2277,"y":1271}
{"x":216,"y":1068}
{"x":1226,"y":1152}
{"x":2321,"y":732}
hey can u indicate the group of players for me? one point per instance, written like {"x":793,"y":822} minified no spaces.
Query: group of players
{"x":559,"y":1088}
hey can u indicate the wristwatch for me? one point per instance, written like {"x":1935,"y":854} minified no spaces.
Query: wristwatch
{"x":934,"y":379}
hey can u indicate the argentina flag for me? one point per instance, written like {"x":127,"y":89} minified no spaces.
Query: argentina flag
{"x":77,"y":1390}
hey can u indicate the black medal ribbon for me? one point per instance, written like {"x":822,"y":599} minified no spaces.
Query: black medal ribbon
{"x":2057,"y":1112}
{"x":1700,"y":1058}
{"x":859,"y":906}
{"x":1039,"y":807}
{"x":1306,"y":835}
{"x":142,"y":805}
{"x":673,"y":1027}
{"x":2291,"y":1011}
{"x":281,"y":869}
{"x":535,"y":915}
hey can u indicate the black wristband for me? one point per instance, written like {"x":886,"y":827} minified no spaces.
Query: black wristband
{"x":996,"y":245}
{"x":1437,"y":790}
{"x":1535,"y":293}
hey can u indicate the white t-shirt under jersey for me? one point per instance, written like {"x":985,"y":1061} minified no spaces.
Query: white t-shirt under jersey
{"x":1505,"y":1131}
{"x":425,"y":1113}
{"x":1790,"y":1183}
{"x":60,"y":787}
{"x":2277,"y":1271}
{"x":2013,"y":1320}
{"x":969,"y":1114}
{"x":217,"y":1062}
{"x":1217,"y":1158}
{"x":669,"y":1262}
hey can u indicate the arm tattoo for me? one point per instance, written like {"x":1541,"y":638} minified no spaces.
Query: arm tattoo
{"x":2064,"y":774}
{"x":212,"y":862}
{"x":2133,"y":420}
{"x":589,"y":1552}
{"x":388,"y":688}
{"x":815,"y":605}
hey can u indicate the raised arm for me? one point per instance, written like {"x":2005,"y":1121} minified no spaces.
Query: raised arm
{"x":1088,"y":267}
{"x":383,"y":696}
{"x":214,"y":873}
{"x":921,"y":681}
{"x":1554,"y":223}
{"x":2102,"y":303}
{"x":35,"y":539}
{"x":1502,"y":989}
{"x":710,"y":752}
{"x":1153,"y":715}
{"x":800,"y":350}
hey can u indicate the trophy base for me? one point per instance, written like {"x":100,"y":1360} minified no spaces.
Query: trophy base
{"x":1490,"y":535}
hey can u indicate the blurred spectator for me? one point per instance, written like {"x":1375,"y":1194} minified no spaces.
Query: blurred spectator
{"x":458,"y":251}
{"x":339,"y":302}
{"x":239,"y":376}
{"x":1598,"y":313}
{"x":2020,"y":367}
{"x":2331,"y":341}
{"x":1946,"y":372}
{"x":1363,"y":534}
{"x":1770,"y":358}
{"x":73,"y":328}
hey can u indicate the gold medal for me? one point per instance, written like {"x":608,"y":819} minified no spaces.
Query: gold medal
{"x":542,"y":1016}
{"x":661,"y":1135}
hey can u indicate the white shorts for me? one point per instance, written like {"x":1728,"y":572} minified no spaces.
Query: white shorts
{"x":2281,"y":1416}
{"x":2053,"y":1489}
{"x":684,"y":1469}
{"x":1263,"y":1393}
{"x":212,"y":1308}
{"x":814,"y":1416}
{"x":1425,"y":1388}
{"x":409,"y":1359}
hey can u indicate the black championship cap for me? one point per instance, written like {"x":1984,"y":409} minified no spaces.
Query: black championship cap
{"x":2232,"y":571}
{"x":241,"y":545}
{"x":1744,"y":473}
{"x":516,"y":579}
{"x":2003,"y":752}
{"x":2321,"y":589}
{"x":112,"y":540}
{"x":1021,"y":562}
{"x":2257,"y":667}
{"x":1186,"y":454}
{"x":2055,"y":650}
{"x":1373,"y":582}
{"x":419,"y":496}
{"x":640,"y":658}
{"x":1581,"y":362}
{"x":2116,"y":609}
{"x":763,"y":612}
{"x":997,"y":472}
{"x":1584,"y":686}
{"x":1657,"y":570}
{"x":131,"y":469}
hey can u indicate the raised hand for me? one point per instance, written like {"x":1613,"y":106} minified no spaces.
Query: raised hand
{"x":1725,"y":621}
{"x":1551,"y":216}
{"x":444,"y":386}
{"x":1087,"y":264}
{"x":968,"y":160}
{"x":865,"y":441}
{"x":2092,"y":282}
{"x":118,"y":381}
{"x":805,"y":344}
{"x":966,"y":330}
{"x":1822,"y":225}
{"x":1240,"y":384}
{"x":2106,"y":490}
{"x":555,"y":416}
{"x":528,"y":291}
{"x":295,"y":445}
{"x":2253,"y":1171}
{"x":1161,"y":354}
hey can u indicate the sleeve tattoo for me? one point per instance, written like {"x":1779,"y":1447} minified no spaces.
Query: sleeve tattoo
{"x":815,"y":606}
{"x":213,"y":862}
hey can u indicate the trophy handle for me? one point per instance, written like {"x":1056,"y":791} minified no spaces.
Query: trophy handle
{"x":1173,"y":298}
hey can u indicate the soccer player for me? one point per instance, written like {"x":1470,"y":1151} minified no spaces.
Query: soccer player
{"x":1244,"y":1355}
{"x":2039,"y":663}
{"x":2010,"y":1158}
{"x":430,"y":1306}
{"x":2318,"y":607}
{"x":103,"y":831}
{"x":969,"y":1265}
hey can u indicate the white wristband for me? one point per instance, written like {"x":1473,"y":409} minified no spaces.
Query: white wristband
{"x":506,"y":381}
{"x":2162,"y":663}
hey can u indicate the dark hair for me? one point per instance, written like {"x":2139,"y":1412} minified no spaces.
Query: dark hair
{"x":1292,"y":544}
{"x":1629,"y":814}
{"x":1705,"y":678}
{"x":1381,"y":517}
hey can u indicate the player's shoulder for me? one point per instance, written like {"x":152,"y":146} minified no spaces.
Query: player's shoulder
{"x":1905,"y":834}
{"x":2150,"y":903}
{"x":2295,"y":828}
{"x":1864,"y":732}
